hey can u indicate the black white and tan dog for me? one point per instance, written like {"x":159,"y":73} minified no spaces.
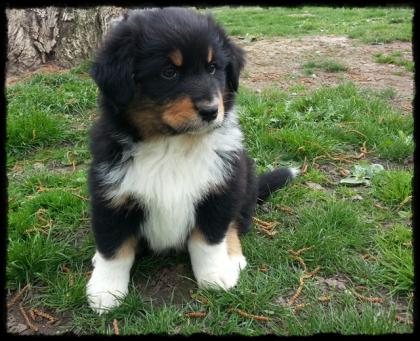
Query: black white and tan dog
{"x":169,"y":169}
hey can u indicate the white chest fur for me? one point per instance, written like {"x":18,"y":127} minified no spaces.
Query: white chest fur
{"x":170,"y":176}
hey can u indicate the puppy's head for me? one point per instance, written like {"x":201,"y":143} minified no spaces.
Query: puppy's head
{"x":168,"y":71}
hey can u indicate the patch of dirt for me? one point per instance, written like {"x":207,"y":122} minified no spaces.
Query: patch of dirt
{"x":46,"y":68}
{"x":17,"y":325}
{"x":332,"y":284}
{"x":168,"y":285}
{"x":277,"y":62}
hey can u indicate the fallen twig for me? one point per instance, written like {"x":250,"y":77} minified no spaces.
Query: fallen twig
{"x":116,"y":329}
{"x":406,"y":200}
{"x":245,"y":314}
{"x":403,"y":320}
{"x":368,"y":299}
{"x":199,"y":314}
{"x":266,"y":227}
{"x":379,"y":206}
{"x":356,"y":131}
{"x":25,"y":316}
{"x":324,"y":298}
{"x":284,"y":209}
{"x":40,"y":216}
{"x":304,"y":167}
{"x":18,"y":296}
{"x":361,"y":287}
{"x":198,"y":298}
{"x":298,"y":307}
{"x":263,"y":268}
{"x":43,"y":189}
{"x":67,"y":271}
{"x":45,"y":315}
{"x":298,"y":252}
{"x":343,"y":172}
{"x":301,"y":284}
{"x":369,"y":257}
{"x":301,"y":261}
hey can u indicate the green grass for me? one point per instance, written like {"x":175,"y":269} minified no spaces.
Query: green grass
{"x":326,"y":65}
{"x":46,"y":110}
{"x":345,"y":117}
{"x":370,"y":25}
{"x":394,"y":58}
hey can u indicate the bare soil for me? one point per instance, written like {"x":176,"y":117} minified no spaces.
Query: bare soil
{"x":277,"y":62}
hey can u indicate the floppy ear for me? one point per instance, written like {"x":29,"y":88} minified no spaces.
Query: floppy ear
{"x":235,"y":65}
{"x":112,"y":68}
{"x":235,"y":54}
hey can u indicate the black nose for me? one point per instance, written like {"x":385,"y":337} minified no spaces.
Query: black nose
{"x":208,"y":113}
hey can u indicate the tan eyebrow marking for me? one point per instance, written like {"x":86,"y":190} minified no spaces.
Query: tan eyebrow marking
{"x":210,"y":55}
{"x":176,"y":57}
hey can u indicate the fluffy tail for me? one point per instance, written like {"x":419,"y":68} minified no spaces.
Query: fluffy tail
{"x":272,"y":181}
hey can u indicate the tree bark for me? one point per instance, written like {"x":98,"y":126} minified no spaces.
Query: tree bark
{"x":63,"y":36}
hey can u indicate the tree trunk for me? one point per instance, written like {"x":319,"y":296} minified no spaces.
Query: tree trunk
{"x":63,"y":36}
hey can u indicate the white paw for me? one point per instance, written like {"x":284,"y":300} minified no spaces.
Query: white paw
{"x":104,"y":295}
{"x":239,"y":262}
{"x":295,"y":171}
{"x":224,"y":277}
{"x":108,"y":283}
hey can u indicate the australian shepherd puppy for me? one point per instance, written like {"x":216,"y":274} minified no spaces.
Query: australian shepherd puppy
{"x":169,"y":169}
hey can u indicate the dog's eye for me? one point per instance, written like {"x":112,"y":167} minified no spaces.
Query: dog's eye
{"x":169,"y":72}
{"x":211,"y":68}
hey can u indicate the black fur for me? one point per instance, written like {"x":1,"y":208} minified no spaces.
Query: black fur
{"x":271,"y":181}
{"x":127,"y":67}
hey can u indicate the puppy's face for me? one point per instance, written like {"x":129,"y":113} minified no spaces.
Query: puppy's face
{"x":169,"y":72}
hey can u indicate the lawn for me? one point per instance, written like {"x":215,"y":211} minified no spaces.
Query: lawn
{"x":323,"y":256}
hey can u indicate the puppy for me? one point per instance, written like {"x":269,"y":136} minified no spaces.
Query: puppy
{"x":169,"y":169}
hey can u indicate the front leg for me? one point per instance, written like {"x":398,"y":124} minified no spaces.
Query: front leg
{"x":108,"y":283}
{"x":116,"y":231}
{"x":216,"y":265}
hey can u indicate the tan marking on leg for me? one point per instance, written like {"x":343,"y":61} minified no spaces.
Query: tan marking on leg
{"x":210,"y":55}
{"x":232,"y":239}
{"x":176,"y":57}
{"x":197,"y":236}
{"x":180,"y":113}
{"x":128,"y":249}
